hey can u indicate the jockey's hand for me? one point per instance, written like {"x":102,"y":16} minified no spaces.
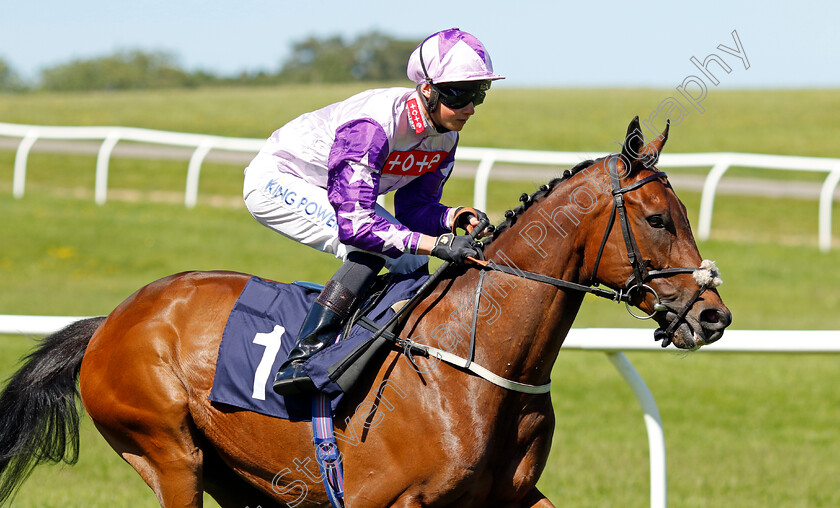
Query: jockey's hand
{"x":467,"y":219}
{"x":454,"y":249}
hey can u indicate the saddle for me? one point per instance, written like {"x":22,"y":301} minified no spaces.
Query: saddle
{"x":260,"y":333}
{"x":368,"y":332}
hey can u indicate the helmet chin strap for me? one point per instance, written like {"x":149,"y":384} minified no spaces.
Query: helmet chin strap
{"x":432,"y":103}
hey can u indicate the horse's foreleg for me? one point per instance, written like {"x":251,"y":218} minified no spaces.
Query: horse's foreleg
{"x":535,"y":499}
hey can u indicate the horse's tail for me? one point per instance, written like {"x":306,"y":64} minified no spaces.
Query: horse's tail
{"x":39,"y":419}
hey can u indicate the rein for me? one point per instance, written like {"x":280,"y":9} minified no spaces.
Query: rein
{"x":640,"y":272}
{"x":412,"y":348}
{"x":707,"y":276}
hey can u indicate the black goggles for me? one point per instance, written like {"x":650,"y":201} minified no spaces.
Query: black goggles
{"x":459,"y":95}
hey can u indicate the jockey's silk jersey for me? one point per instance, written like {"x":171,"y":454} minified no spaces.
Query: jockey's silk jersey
{"x":372,"y":143}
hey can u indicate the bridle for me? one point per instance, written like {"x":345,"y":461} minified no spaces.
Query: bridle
{"x":706,"y":276}
{"x":641,"y":274}
{"x":636,"y":285}
{"x":709,"y":277}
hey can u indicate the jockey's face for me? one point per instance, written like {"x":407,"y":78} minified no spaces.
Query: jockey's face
{"x":444,"y":116}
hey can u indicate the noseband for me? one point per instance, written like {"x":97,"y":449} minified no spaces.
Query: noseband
{"x":706,"y":275}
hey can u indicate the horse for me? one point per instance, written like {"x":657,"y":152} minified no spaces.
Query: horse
{"x":415,"y":433}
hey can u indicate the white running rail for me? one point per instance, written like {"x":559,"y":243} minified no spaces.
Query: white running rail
{"x":720,"y":162}
{"x":110,"y":136}
{"x":612,"y":341}
{"x":486,"y":158}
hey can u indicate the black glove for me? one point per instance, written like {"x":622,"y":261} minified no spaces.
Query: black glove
{"x":462,"y":218}
{"x":454,"y":249}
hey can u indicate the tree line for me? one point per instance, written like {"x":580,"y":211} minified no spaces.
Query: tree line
{"x":373,"y":56}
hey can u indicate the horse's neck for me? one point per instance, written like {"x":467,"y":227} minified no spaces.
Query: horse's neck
{"x":520,"y":324}
{"x":524,"y":322}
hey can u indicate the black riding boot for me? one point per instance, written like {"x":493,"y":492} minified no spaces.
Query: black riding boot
{"x":325,"y":319}
{"x":319,"y":329}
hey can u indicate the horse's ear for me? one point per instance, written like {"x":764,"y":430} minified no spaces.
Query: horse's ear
{"x":631,"y":150}
{"x":654,"y":148}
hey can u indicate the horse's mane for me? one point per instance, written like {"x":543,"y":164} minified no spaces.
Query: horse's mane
{"x":527,"y":200}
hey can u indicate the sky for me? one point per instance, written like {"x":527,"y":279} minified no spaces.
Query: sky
{"x":534,"y":43}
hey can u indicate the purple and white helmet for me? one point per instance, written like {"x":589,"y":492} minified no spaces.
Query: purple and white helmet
{"x":450,"y":56}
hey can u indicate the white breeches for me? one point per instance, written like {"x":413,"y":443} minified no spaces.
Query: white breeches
{"x":301,"y":211}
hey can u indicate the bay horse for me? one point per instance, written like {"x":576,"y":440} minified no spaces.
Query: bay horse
{"x":415,"y":434}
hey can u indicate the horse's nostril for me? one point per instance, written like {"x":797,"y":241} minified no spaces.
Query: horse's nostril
{"x":710,"y":316}
{"x":714,"y":318}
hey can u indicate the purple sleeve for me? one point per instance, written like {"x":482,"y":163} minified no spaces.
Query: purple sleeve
{"x":359,"y":148}
{"x":417,"y":204}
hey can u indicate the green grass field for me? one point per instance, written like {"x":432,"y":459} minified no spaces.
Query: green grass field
{"x":741,"y":430}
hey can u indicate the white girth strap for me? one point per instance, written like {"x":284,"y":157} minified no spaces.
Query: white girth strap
{"x":479,"y":371}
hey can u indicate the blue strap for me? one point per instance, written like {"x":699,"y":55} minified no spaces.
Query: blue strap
{"x":326,"y":450}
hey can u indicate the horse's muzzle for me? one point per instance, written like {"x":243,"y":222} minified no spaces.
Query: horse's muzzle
{"x":713,"y":321}
{"x":703,"y":325}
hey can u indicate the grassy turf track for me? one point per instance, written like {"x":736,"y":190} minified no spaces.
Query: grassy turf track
{"x":741,"y":430}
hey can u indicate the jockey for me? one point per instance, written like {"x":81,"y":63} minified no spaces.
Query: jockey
{"x":317,"y":178}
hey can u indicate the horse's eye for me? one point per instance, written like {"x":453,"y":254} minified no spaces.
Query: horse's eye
{"x":656,"y":221}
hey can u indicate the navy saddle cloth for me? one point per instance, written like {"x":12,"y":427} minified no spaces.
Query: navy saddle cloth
{"x":261,"y":331}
